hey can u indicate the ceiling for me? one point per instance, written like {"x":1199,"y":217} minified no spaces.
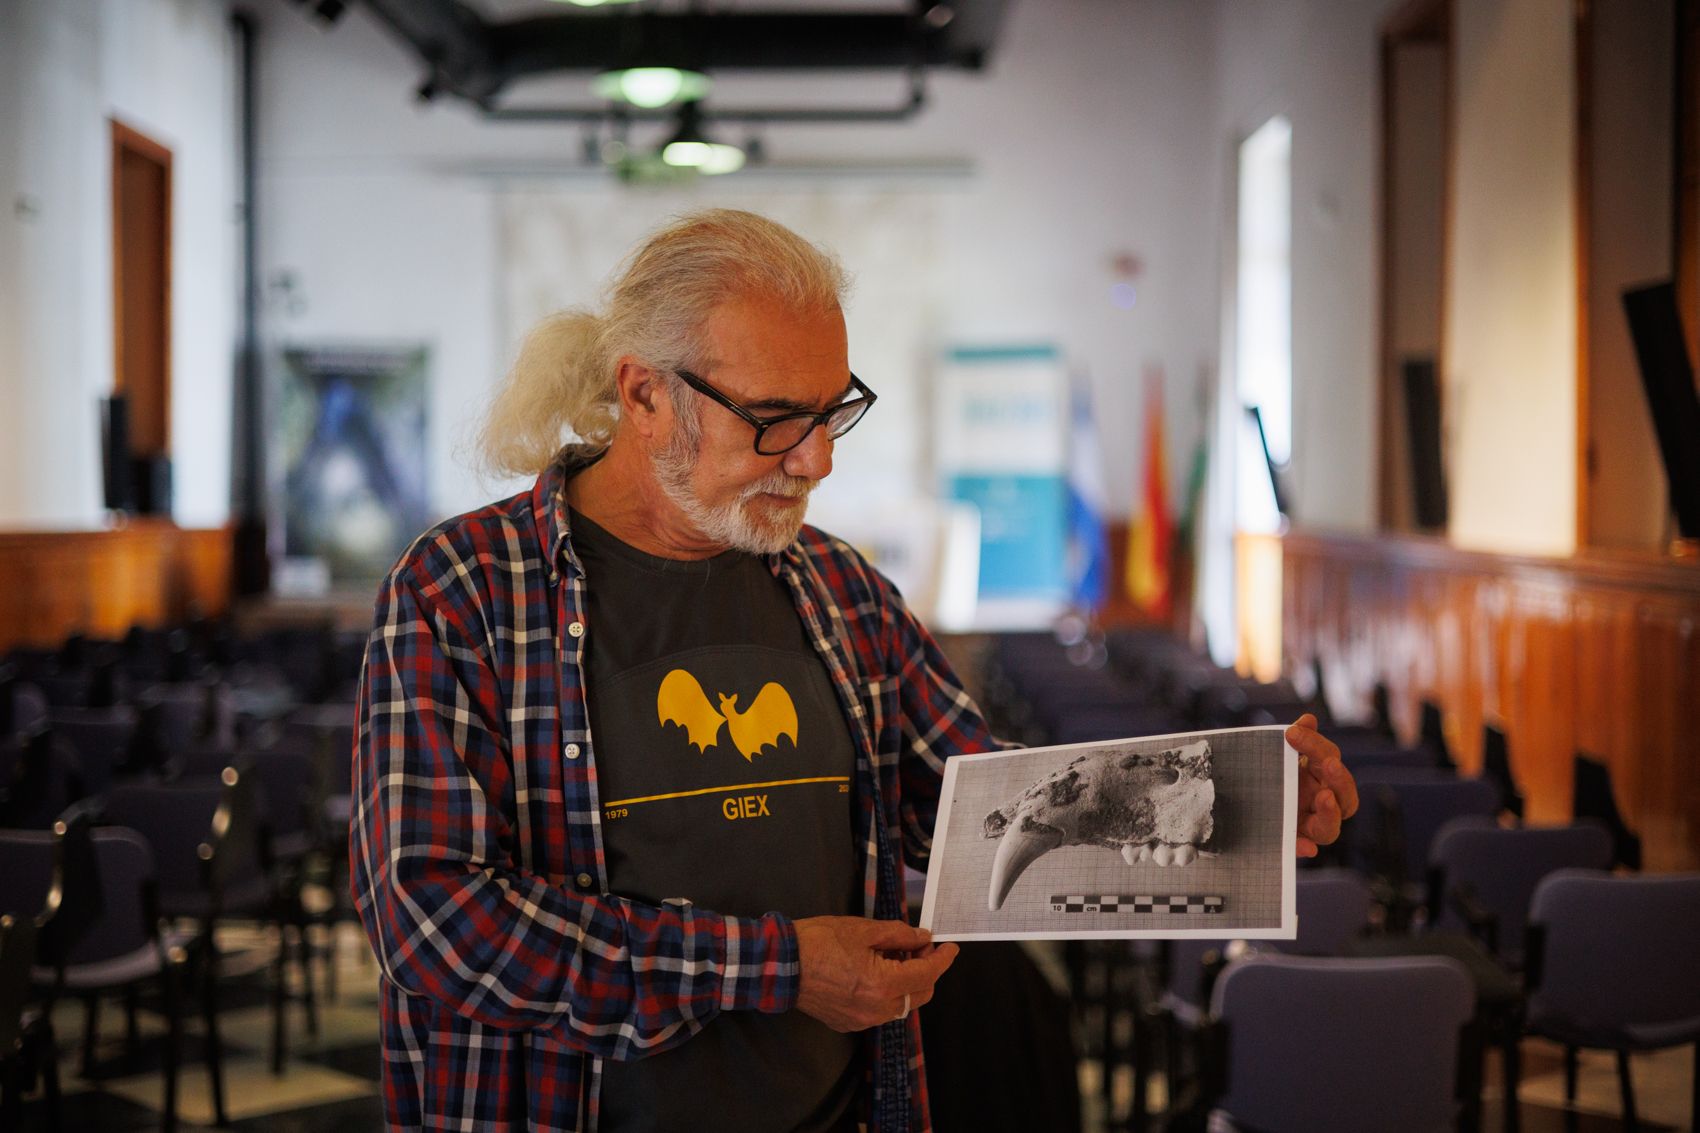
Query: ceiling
{"x":478,"y":50}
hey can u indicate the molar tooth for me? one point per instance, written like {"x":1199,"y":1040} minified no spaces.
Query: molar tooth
{"x":1130,"y":853}
{"x":1164,"y":853}
{"x":1144,"y":854}
{"x":1186,"y":855}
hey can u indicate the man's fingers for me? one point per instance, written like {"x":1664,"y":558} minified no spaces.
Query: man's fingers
{"x":1322,"y":825}
{"x":917,"y":974}
{"x":1339,"y":781}
{"x":1323,"y":763}
{"x":897,"y":936}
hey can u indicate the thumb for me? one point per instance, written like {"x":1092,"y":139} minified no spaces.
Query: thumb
{"x":898,"y":936}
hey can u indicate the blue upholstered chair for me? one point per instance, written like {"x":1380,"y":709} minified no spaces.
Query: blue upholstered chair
{"x":1380,"y":1047}
{"x":1610,"y":965}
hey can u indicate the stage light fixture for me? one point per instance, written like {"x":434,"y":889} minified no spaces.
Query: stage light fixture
{"x":651,"y":87}
{"x":691,"y":148}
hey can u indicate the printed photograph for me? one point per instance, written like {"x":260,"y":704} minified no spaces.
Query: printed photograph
{"x":1163,"y":836}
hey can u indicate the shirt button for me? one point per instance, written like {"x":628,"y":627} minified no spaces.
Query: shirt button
{"x":572,"y":751}
{"x":576,"y":629}
{"x":585,"y":881}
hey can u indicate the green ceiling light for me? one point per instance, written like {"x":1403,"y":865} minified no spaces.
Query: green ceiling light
{"x":690,"y":148}
{"x":651,"y":87}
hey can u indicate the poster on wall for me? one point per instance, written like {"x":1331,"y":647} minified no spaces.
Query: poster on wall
{"x":1002,"y":421}
{"x":349,"y":434}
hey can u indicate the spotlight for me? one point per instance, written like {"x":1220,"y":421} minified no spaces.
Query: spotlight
{"x":690,"y":148}
{"x":651,"y":87}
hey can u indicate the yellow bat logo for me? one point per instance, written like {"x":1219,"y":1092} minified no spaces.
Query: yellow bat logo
{"x":771,"y":715}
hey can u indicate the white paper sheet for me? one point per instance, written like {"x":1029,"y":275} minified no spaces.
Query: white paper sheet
{"x":1105,"y":803}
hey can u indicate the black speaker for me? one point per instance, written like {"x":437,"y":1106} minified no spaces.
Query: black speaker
{"x":1422,"y":429}
{"x":150,"y":477}
{"x":1668,"y":380}
{"x":115,"y":452}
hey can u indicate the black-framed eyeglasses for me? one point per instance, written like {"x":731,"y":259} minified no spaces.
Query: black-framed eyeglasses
{"x":775,"y":435}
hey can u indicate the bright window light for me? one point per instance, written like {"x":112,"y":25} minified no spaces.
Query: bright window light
{"x":1263,"y":332}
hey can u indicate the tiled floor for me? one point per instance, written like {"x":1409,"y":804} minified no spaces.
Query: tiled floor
{"x":330,"y":1082}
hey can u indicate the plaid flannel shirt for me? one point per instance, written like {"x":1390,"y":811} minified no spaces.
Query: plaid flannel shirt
{"x":509,"y":972}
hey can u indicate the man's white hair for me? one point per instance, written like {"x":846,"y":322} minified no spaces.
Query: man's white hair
{"x":655,"y":310}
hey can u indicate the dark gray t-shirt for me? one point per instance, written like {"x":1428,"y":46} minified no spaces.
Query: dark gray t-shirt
{"x":723,"y":766}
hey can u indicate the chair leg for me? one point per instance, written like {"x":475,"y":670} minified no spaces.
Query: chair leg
{"x":173,"y":1043}
{"x":1569,"y":1076}
{"x":304,"y":957}
{"x":91,"y":1032}
{"x":330,"y":957}
{"x":50,"y":1077}
{"x":280,"y":997}
{"x":132,"y":1031}
{"x":1512,"y":1058}
{"x":11,"y":1091}
{"x":209,"y":1010}
{"x":1628,"y":1088}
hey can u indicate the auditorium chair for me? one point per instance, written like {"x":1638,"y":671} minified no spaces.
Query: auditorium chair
{"x":40,"y":777}
{"x":213,"y":862}
{"x":1592,"y":797}
{"x":49,"y":879}
{"x":104,"y":739}
{"x":1380,"y":1045}
{"x":1610,"y":966}
{"x":19,"y":1025}
{"x":1482,"y":877}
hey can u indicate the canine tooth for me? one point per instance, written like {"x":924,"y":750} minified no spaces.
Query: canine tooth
{"x":1016,"y":851}
{"x":1164,"y":853}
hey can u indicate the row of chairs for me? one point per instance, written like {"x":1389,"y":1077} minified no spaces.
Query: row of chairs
{"x":1441,"y":868}
{"x":194,"y":804}
{"x":1610,"y":968}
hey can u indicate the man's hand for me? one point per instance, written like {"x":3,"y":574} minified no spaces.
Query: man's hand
{"x":1328,"y":795}
{"x":856,"y":972}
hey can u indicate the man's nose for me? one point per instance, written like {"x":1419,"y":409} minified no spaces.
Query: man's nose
{"x":812,"y":458}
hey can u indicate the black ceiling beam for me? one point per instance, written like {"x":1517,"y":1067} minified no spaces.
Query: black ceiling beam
{"x":452,"y":40}
{"x":476,"y":59}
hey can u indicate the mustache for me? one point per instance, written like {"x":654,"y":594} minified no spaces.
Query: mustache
{"x":781,"y":484}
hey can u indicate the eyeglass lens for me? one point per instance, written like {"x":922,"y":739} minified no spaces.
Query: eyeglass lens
{"x":790,"y":432}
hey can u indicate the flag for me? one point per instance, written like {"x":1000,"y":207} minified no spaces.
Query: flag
{"x":1152,"y":533}
{"x":1088,"y":536}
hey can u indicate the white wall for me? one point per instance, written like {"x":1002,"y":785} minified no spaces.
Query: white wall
{"x":66,"y":67}
{"x":1315,"y":61}
{"x":1510,"y":360}
{"x":1088,"y":138}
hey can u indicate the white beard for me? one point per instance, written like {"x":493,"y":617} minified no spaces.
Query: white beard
{"x":747,"y":523}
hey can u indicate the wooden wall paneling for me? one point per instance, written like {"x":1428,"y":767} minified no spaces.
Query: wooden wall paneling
{"x":101,"y":583}
{"x":1599,"y":653}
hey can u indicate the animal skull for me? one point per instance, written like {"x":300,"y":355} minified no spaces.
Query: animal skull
{"x":1151,"y":807}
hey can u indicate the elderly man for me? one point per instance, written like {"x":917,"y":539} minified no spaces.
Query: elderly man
{"x":641,"y":755}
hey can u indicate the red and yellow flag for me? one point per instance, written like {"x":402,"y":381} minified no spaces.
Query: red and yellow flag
{"x":1151,"y":537}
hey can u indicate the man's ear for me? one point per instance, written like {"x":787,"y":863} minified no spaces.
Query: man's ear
{"x":642,"y":395}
